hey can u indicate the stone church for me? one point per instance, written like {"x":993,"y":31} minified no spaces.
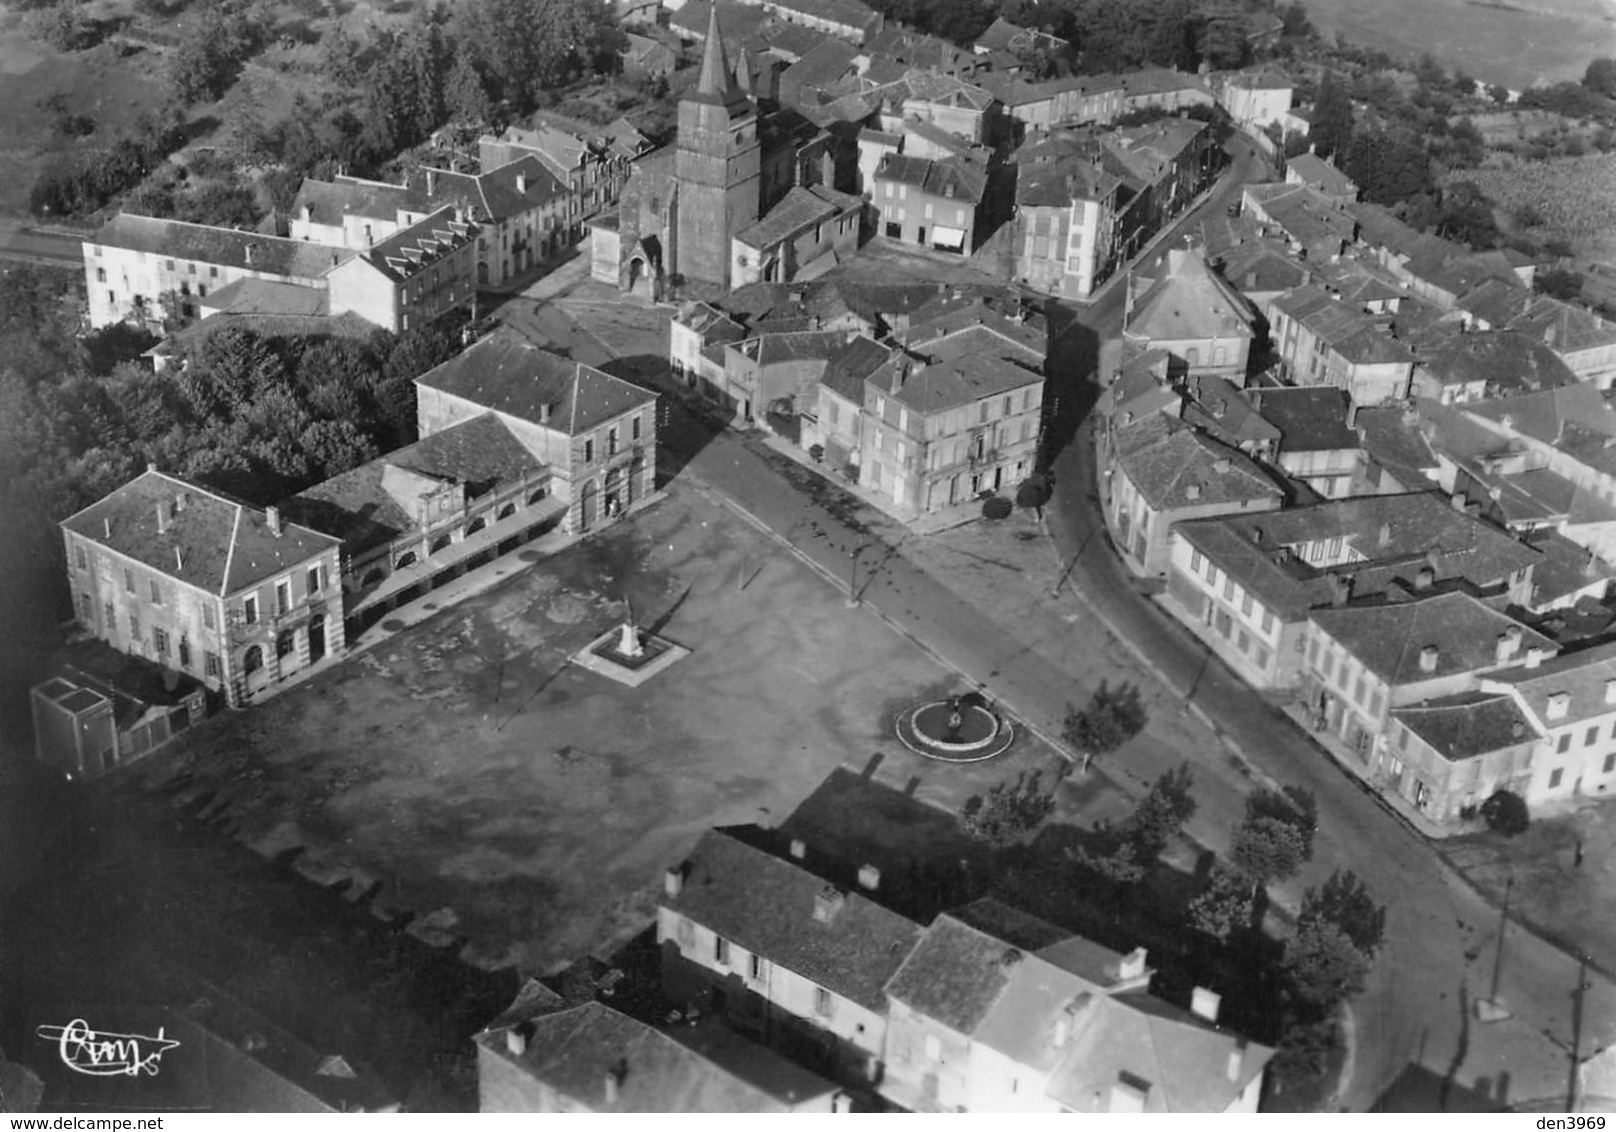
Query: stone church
{"x":739,"y":167}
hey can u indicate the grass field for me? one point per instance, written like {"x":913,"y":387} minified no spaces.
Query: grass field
{"x":1575,"y":197}
{"x":1512,"y":42}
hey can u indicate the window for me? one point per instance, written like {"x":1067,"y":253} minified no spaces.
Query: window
{"x":249,"y":609}
{"x":80,"y":557}
{"x":1554,"y":778}
{"x":589,"y":451}
{"x":100,"y":275}
{"x":210,"y":664}
{"x":756,"y":967}
{"x":134,"y":627}
{"x":128,"y":580}
{"x":1228,"y":587}
{"x":312,"y":583}
{"x":880,"y":406}
{"x":611,"y":441}
{"x":283,"y":597}
{"x":634,"y":429}
{"x":1358,"y":692}
{"x":1245,"y":603}
{"x":822,"y":1002}
{"x":110,"y":619}
{"x":156,"y":589}
{"x":1007,"y":409}
{"x":185,"y":653}
{"x":1588,"y":739}
{"x":209,"y":620}
{"x":1195,"y":561}
{"x":1267,"y":621}
{"x":213,"y":273}
{"x":1564,"y":745}
{"x":159,"y":641}
{"x":1376,"y":702}
{"x":934,"y":1048}
{"x":721,"y":950}
{"x":1610,"y":763}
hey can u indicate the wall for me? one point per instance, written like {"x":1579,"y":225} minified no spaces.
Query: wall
{"x":1262,"y":647}
{"x":357,"y":286}
{"x":115,"y":276}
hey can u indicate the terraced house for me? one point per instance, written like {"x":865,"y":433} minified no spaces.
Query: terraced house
{"x":1571,"y":701}
{"x":1246,"y":584}
{"x":236,"y":596}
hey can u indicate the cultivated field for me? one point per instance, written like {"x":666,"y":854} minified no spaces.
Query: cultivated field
{"x":1512,"y":42}
{"x":1575,"y":197}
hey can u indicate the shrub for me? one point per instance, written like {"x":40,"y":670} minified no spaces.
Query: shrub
{"x":816,"y":453}
{"x":996,"y":507}
{"x":1034,"y":491}
{"x":1505,"y":813}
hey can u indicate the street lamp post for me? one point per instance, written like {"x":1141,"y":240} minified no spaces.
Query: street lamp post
{"x":852,"y":575}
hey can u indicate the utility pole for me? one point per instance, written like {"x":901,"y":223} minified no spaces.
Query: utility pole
{"x":1490,"y":1009}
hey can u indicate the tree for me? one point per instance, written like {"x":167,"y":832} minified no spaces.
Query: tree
{"x":1221,"y":39}
{"x":1332,"y":116}
{"x":1499,"y":94}
{"x":1346,"y":903}
{"x":1505,"y":813}
{"x":1160,"y":815}
{"x":464,"y":93}
{"x":1297,"y":24}
{"x":1008,"y":811}
{"x":1322,"y":968}
{"x":1389,"y":167}
{"x":1600,"y":77}
{"x":1267,"y":850}
{"x":1224,"y":906}
{"x":1113,"y":716}
{"x":1465,"y":214}
{"x":1560,"y":283}
{"x":1293,"y":805}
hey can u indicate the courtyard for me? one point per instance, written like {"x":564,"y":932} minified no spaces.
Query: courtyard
{"x":465,"y":772}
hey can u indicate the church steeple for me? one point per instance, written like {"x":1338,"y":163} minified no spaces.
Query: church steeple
{"x":743,"y":72}
{"x":717,"y":81}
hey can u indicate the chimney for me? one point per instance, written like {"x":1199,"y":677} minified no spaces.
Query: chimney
{"x":308,"y":213}
{"x":431,"y":182}
{"x":1383,"y":537}
{"x":181,"y":500}
{"x":515,"y":1042}
{"x":179,"y":559}
{"x":544,"y":413}
{"x":1340,"y":589}
{"x":1128,"y":1094}
{"x":1192,"y":491}
{"x":1352,"y":414}
{"x":1221,"y":466}
{"x":1428,"y":658}
{"x":614,"y":1079}
{"x":1534,"y":657}
{"x":1205,"y":1003}
{"x":1132,"y":967}
{"x":106,"y":526}
{"x":164,"y":515}
{"x":272,"y":517}
{"x":248,"y":253}
{"x":869,"y":878}
{"x":1237,"y":1059}
{"x":1458,"y":501}
{"x":673,"y":881}
{"x":827,"y":902}
{"x":1424,"y":578}
{"x":1610,"y":691}
{"x":521,"y":183}
{"x":799,"y":849}
{"x":1509,"y":643}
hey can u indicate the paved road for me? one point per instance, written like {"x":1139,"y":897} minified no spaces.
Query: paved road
{"x":1441,"y":936}
{"x":24,"y":243}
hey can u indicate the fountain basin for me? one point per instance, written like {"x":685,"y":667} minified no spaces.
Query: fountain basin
{"x":929,"y":730}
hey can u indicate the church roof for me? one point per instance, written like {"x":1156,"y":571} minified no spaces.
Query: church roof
{"x":716,"y":83}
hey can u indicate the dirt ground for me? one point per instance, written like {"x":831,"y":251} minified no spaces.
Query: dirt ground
{"x":1567,"y":901}
{"x":463,"y":764}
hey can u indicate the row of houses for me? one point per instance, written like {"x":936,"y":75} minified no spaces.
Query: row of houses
{"x":982,"y":1009}
{"x":235,"y":599}
{"x":1389,"y":513}
{"x":932,"y":412}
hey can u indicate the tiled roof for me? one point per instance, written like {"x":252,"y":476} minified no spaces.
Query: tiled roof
{"x":927,"y":85}
{"x":212,"y":541}
{"x":1309,"y":419}
{"x":766,"y":905}
{"x":1261,"y":80}
{"x":1390,"y":538}
{"x":1388,"y":639}
{"x":267,"y":296}
{"x":949,"y":331}
{"x":1584,"y":676}
{"x":204,"y":243}
{"x":712,"y":324}
{"x":1185,"y":1063}
{"x":1321,"y":174}
{"x":1495,"y":302}
{"x":850,"y":365}
{"x":345,"y":325}
{"x":1007,"y":980}
{"x":953,"y":178}
{"x":849,"y":13}
{"x":410,"y":251}
{"x":1563,"y":327}
{"x":799,"y":210}
{"x":962,"y":380}
{"x":691,"y":1069}
{"x":1507,"y":360}
{"x":1058,"y":181}
{"x":1392,"y":438}
{"x":1228,"y":413}
{"x":509,"y":374}
{"x":795,"y":346}
{"x":1173,"y":466}
{"x":1360,"y":282}
{"x":825,"y":63}
{"x":1187,"y":302}
{"x":951,"y":143}
{"x":1469,"y":724}
{"x":1567,"y":567}
{"x":1351,"y":333}
{"x":1261,"y":266}
{"x":1307,"y":216}
{"x":358,"y":508}
{"x":1573,"y":418}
